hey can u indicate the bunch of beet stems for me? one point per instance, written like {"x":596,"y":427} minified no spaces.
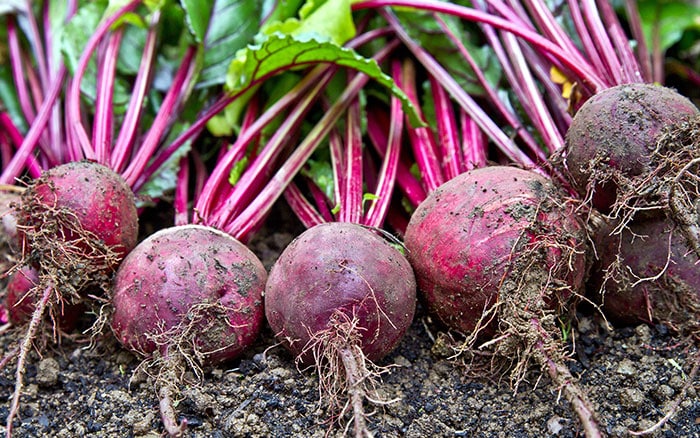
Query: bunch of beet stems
{"x":239,"y":208}
{"x":38,"y":76}
{"x":525,"y":66}
{"x":548,"y":47}
{"x":130,"y":154}
{"x":355,"y":172}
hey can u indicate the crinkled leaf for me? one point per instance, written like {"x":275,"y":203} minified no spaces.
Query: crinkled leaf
{"x":328,"y":20}
{"x":278,"y":53}
{"x":222,"y":27}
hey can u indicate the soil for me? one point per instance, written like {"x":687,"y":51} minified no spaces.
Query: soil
{"x":632,"y":375}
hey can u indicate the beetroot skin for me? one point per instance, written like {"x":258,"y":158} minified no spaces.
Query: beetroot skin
{"x":468,"y":235}
{"x":189,"y":274}
{"x":614,"y":133}
{"x":670,"y":292}
{"x":341,"y":297}
{"x":96,"y":196}
{"x":340,"y":267}
{"x":20,"y":301}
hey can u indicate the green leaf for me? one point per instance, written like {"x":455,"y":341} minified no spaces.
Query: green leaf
{"x":669,"y":18}
{"x":278,"y":53}
{"x":222,"y":27}
{"x":321,"y":173}
{"x":198,"y":15}
{"x":279,"y":10}
{"x":328,"y":20}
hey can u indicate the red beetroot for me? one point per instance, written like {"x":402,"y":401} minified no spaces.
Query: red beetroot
{"x":81,"y":204}
{"x":187,"y":295}
{"x":648,"y":273}
{"x":76,"y":222}
{"x":338,"y":297}
{"x":20,"y":304}
{"x":499,"y":251}
{"x":470,"y":234}
{"x":18,"y":301}
{"x":614,"y":135}
{"x":634,"y":148}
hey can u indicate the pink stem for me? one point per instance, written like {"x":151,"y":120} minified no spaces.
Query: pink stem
{"x":376,"y":214}
{"x":351,"y":206}
{"x":129,"y":129}
{"x":164,"y":117}
{"x":14,"y":167}
{"x":104,"y":113}
{"x":588,"y":77}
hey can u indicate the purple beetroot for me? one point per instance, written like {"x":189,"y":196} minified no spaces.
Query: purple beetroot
{"x":187,"y":296}
{"x":500,"y":256}
{"x":341,"y":297}
{"x":634,"y":148}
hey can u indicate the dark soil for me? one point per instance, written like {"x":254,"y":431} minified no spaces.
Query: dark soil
{"x":631,"y":374}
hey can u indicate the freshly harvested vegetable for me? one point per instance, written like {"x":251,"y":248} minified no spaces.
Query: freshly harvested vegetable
{"x":82,"y":204}
{"x":500,"y":256}
{"x":186,"y":296}
{"x":76,"y":223}
{"x":341,"y":297}
{"x":648,"y":273}
{"x":20,"y":301}
{"x":613,"y":138}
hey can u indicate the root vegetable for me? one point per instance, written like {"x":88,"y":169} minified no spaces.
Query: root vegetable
{"x":187,"y":297}
{"x":76,"y":222}
{"x":499,"y":254}
{"x":648,"y":273}
{"x":633,"y":148}
{"x":340,"y":297}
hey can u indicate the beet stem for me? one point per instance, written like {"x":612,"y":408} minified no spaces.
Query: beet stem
{"x":23,"y":352}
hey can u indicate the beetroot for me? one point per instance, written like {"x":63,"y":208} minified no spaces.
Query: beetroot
{"x":76,"y":222}
{"x":498,"y":252}
{"x":8,"y":244}
{"x":340,"y":296}
{"x":466,"y":239}
{"x":632,"y":148}
{"x":648,"y":273}
{"x":82,"y":205}
{"x":20,"y":304}
{"x":187,"y":295}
